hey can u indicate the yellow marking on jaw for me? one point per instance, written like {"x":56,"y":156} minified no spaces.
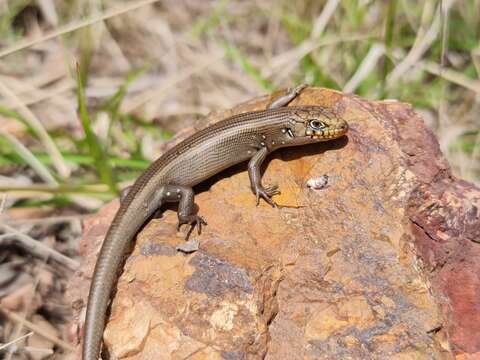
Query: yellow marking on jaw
{"x":331,"y":133}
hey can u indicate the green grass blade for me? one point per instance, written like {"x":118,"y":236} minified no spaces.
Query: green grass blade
{"x":97,"y":153}
{"x":29,"y":158}
{"x":39,"y":129}
{"x":16,"y":116}
{"x":115,"y":162}
{"x":86,"y":52}
{"x":61,"y":195}
{"x":112,"y":105}
{"x":234,"y":54}
{"x":59,"y":189}
{"x":9,"y":12}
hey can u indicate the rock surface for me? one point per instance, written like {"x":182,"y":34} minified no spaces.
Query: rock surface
{"x":382,"y":262}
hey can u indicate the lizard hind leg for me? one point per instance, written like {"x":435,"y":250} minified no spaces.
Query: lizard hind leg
{"x":186,"y":207}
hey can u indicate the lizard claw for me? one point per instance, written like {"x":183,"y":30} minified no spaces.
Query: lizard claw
{"x":272,"y":190}
{"x":297,"y":89}
{"x":192,"y":220}
{"x":200,"y":221}
{"x":266,"y":193}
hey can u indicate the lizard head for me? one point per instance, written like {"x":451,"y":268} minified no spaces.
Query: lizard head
{"x":314,"y":124}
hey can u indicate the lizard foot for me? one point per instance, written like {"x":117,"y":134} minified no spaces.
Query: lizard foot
{"x":297,"y":89}
{"x":266,"y":193}
{"x":192,"y":220}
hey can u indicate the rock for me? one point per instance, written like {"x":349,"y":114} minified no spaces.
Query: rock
{"x":381,"y":263}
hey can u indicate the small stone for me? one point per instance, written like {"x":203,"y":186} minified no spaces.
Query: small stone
{"x":188,"y":247}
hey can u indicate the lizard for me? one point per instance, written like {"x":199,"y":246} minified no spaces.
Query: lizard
{"x":248,"y":136}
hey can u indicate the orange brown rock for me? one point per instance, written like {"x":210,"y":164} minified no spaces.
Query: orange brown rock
{"x":380,"y":263}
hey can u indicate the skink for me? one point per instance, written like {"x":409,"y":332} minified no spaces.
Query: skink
{"x":249,"y":136}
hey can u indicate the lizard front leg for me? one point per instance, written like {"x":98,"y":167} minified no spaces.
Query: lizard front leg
{"x":256,"y":179}
{"x":186,"y":206}
{"x":285,"y":99}
{"x":257,"y":159}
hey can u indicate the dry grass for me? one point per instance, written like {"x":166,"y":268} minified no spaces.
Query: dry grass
{"x":153,"y":67}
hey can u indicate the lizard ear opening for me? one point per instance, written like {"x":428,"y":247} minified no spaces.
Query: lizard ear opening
{"x":289,"y":132}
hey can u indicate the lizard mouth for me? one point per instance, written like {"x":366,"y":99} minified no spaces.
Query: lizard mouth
{"x":328,"y":134}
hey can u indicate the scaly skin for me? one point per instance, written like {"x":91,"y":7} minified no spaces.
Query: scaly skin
{"x":239,"y":138}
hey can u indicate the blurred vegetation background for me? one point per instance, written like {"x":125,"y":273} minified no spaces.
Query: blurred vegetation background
{"x":90,"y":90}
{"x":146,"y":69}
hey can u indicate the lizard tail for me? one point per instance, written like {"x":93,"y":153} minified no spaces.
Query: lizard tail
{"x":124,"y":227}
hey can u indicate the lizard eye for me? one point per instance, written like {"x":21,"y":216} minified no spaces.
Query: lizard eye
{"x":317,"y":124}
